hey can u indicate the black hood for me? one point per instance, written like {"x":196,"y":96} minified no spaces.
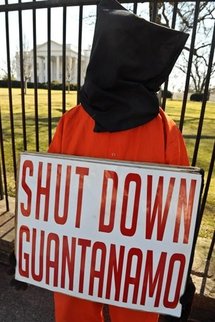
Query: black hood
{"x":129,"y":61}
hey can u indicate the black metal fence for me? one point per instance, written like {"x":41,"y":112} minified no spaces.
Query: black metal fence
{"x":160,"y":11}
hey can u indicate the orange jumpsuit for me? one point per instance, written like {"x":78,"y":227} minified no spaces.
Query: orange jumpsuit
{"x":158,"y":141}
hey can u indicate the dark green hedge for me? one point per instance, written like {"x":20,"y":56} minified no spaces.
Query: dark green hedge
{"x":54,"y":85}
{"x":167,"y":94}
{"x":198,"y":97}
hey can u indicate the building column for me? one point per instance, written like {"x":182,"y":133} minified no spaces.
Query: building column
{"x":57,"y":69}
{"x":39,"y":69}
{"x":74,"y":70}
{"x":46,"y":70}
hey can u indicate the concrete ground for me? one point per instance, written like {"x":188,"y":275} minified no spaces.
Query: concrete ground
{"x":34,"y":304}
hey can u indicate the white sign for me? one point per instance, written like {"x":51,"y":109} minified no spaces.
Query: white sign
{"x":106,"y":231}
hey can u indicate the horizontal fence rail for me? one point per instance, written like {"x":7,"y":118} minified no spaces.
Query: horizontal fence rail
{"x":156,"y":12}
{"x":60,"y":3}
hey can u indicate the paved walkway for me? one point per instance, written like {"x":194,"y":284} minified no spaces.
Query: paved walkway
{"x":7,"y":228}
{"x":34,"y":304}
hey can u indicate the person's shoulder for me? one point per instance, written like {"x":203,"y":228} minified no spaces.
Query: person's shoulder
{"x":72,"y":111}
{"x":168,"y":122}
{"x":165,"y":116}
{"x":72,"y":115}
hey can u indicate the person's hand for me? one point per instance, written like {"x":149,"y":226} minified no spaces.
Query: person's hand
{"x":186,"y":302}
{"x":187,"y":299}
{"x":18,"y":285}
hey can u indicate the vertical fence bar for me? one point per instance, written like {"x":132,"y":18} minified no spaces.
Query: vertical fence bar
{"x":202,"y":207}
{"x":35,"y":80}
{"x":189,"y":66}
{"x":23,"y":79}
{"x":135,"y":8}
{"x":49,"y":75}
{"x":79,"y":52}
{"x":207,"y":265}
{"x":1,"y":187}
{"x":10,"y":92}
{"x":3,"y":165}
{"x":64,"y":58}
{"x":153,"y":10}
{"x":207,"y":185}
{"x":167,"y":82}
{"x":205,"y":97}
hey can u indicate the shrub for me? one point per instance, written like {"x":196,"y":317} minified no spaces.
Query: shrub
{"x":54,"y":85}
{"x":166,"y":94}
{"x":14,"y":83}
{"x":198,"y":97}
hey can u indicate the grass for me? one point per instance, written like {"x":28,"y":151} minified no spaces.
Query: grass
{"x":190,"y":129}
{"x":56,"y":101}
{"x":173,"y":108}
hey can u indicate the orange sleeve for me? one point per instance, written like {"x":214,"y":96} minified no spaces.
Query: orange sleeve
{"x":176,"y":152}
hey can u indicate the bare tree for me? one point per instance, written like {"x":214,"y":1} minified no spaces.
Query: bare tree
{"x":4,"y":72}
{"x":27,"y":68}
{"x":26,"y":63}
{"x":68,"y":72}
{"x":161,"y":12}
{"x":199,"y":68}
{"x":185,"y":14}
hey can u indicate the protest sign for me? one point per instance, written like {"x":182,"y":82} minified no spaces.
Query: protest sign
{"x":107,"y":231}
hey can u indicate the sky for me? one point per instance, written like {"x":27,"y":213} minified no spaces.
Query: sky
{"x":56,"y":28}
{"x":89,"y":13}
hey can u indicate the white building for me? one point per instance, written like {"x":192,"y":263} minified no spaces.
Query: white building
{"x":56,"y":63}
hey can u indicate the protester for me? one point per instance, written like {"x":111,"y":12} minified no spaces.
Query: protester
{"x":119,"y":117}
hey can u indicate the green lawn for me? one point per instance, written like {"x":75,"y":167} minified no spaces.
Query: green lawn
{"x":173,"y":109}
{"x":30,"y":122}
{"x":190,"y":128}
